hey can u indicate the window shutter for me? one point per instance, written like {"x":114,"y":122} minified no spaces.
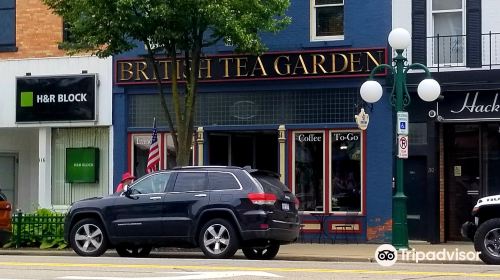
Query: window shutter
{"x":419,"y":31}
{"x":473,"y":21}
{"x":7,"y":24}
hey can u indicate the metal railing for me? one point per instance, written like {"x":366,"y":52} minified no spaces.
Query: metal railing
{"x":451,"y":51}
{"x":34,"y":229}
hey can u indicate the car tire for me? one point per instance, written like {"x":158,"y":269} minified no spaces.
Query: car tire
{"x":218,"y":239}
{"x":133,"y":251}
{"x":262,"y":253}
{"x":88,"y":238}
{"x":487,"y":241}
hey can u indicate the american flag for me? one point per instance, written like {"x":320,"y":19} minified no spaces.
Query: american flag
{"x":154,"y":151}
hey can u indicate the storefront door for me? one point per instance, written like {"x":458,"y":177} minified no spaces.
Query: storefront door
{"x":463,"y":147}
{"x":416,"y":190}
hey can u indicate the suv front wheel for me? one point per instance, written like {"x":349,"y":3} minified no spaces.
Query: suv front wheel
{"x":218,"y":239}
{"x":487,"y":241}
{"x":88,"y":238}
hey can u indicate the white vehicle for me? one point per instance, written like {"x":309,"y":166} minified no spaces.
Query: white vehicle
{"x":485,"y":230}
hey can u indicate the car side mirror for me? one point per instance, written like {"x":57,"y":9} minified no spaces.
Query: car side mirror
{"x":127,"y":190}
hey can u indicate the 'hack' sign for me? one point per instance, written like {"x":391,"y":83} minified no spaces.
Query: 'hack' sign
{"x":57,"y":98}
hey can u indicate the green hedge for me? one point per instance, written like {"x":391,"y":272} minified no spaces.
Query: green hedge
{"x":43,"y":228}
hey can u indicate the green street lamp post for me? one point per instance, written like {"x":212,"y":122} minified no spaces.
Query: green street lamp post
{"x":371,"y":91}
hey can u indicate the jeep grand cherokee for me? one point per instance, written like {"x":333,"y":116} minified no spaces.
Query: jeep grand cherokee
{"x":219,"y":209}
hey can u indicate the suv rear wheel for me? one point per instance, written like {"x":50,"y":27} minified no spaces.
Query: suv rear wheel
{"x":487,"y":241}
{"x":88,"y":238}
{"x":262,"y":253}
{"x":218,"y":239}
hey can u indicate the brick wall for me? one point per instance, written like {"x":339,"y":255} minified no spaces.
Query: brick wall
{"x":441,"y":186}
{"x":38,"y":31}
{"x":380,"y":231}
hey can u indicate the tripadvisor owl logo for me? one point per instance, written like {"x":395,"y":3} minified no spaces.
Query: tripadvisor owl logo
{"x":386,"y":255}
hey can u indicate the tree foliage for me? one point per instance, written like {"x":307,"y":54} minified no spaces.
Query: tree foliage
{"x":179,"y":29}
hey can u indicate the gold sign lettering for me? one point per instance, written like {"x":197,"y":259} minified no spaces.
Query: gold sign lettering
{"x":369,"y":57}
{"x":241,"y":64}
{"x":140,"y":68}
{"x":259,"y":66}
{"x":334,"y":63}
{"x":126,"y":72}
{"x":355,"y":63}
{"x":302,"y":66}
{"x":207,"y":68}
{"x":319,"y":64}
{"x":286,"y":64}
{"x":291,"y":65}
{"x":226,"y":65}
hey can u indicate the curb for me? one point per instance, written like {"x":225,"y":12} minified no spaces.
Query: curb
{"x":199,"y":255}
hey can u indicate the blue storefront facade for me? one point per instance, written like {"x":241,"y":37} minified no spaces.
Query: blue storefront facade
{"x":290,"y":110}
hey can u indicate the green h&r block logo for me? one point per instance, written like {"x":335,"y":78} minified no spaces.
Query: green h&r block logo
{"x":26,"y":99}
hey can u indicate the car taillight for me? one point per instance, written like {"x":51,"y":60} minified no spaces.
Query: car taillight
{"x":297,"y":203}
{"x":262,"y":198}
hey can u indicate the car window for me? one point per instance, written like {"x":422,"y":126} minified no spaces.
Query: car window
{"x":190,"y":181}
{"x":271,"y":184}
{"x":3,"y":197}
{"x":153,"y":184}
{"x":222,"y":181}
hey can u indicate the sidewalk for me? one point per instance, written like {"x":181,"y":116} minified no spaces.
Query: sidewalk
{"x":292,"y":252}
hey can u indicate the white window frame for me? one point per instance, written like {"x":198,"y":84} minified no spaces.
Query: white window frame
{"x":362,"y":171}
{"x":323,"y":133}
{"x":430,"y":31}
{"x":312,"y":24}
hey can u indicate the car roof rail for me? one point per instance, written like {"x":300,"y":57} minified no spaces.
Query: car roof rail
{"x":205,"y":166}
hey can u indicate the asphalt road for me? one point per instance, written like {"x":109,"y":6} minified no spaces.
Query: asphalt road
{"x":115,"y":268}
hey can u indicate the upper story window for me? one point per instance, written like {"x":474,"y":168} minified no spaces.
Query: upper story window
{"x":66,"y":32}
{"x":327,"y":20}
{"x":448,"y":22}
{"x":8,"y":25}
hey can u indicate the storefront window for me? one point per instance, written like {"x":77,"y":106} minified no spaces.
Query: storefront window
{"x":309,"y":171}
{"x":346,"y":171}
{"x":140,"y":153}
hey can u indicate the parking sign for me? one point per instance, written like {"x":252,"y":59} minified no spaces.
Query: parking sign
{"x":402,"y":123}
{"x":402,"y":146}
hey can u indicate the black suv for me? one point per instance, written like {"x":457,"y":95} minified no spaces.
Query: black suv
{"x":219,"y":209}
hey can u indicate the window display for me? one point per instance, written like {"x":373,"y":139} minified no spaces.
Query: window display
{"x":346,"y":171}
{"x":309,"y":171}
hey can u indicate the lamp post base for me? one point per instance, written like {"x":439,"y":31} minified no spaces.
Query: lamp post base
{"x":400,"y":225}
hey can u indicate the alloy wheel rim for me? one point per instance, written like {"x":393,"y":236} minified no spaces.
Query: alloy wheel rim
{"x":216,"y":239}
{"x":88,"y":238}
{"x":492,"y":242}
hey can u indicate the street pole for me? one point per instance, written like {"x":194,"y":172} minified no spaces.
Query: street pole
{"x":371,"y":91}
{"x":399,"y":200}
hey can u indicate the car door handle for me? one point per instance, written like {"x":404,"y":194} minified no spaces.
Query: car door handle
{"x":200,"y":195}
{"x":155,"y":198}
